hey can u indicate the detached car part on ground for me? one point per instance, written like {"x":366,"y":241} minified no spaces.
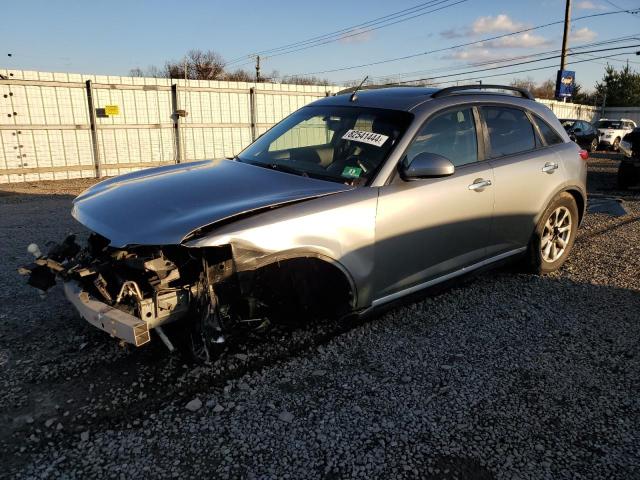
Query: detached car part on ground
{"x":348,"y":204}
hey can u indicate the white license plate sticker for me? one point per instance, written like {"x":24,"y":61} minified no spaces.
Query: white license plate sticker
{"x":361,"y":136}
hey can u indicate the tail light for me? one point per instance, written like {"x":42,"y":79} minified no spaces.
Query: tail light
{"x":584,"y":155}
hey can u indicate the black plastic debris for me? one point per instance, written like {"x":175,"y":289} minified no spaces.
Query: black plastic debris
{"x":613,"y":206}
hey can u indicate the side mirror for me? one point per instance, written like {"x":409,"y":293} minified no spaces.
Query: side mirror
{"x":427,"y":165}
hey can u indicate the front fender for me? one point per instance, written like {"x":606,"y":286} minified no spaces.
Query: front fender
{"x":338,"y":228}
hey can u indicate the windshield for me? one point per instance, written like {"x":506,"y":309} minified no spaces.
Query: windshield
{"x":341,"y":144}
{"x":567,"y":124}
{"x":609,"y":124}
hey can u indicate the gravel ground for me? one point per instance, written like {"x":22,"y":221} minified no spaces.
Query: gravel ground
{"x":503,"y":376}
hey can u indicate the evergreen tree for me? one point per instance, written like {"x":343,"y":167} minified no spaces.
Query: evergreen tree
{"x":622,"y":87}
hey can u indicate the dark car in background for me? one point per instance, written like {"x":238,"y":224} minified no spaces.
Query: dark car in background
{"x":629,"y":169}
{"x":582,"y":132}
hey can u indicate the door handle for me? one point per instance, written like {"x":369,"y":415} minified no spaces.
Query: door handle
{"x":550,"y":167}
{"x":479,"y":184}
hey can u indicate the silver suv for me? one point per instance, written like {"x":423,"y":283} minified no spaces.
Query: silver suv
{"x":348,"y":204}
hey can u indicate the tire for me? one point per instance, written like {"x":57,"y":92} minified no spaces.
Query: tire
{"x":593,"y":148}
{"x":552,"y":257}
{"x":628,"y":175}
{"x":616,"y":145}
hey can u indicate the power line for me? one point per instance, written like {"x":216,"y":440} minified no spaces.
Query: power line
{"x":513,"y":64}
{"x":619,"y":8}
{"x":592,"y":58}
{"x":359,"y":32}
{"x":516,"y":58}
{"x":504,"y":74}
{"x":466,"y":44}
{"x":341,"y":32}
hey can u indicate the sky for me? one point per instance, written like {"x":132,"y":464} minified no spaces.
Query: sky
{"x":112,"y":37}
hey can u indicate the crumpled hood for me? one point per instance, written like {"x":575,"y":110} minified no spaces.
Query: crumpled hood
{"x":161,"y":206}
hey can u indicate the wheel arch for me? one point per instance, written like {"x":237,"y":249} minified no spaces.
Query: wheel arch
{"x":300,"y":264}
{"x":580,"y":200}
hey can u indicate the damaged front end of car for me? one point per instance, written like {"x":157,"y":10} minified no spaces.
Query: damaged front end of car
{"x":127,"y":292}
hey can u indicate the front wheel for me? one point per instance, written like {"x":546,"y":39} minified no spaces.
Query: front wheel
{"x":554,"y":235}
{"x":594,"y":146}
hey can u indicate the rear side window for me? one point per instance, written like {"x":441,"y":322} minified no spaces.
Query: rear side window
{"x":550,"y":136}
{"x":509,"y":131}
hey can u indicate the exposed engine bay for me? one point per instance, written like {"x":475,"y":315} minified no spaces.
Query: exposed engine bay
{"x":129,"y":291}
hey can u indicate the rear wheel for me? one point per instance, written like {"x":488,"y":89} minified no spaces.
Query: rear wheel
{"x":554,"y":235}
{"x":616,"y":145}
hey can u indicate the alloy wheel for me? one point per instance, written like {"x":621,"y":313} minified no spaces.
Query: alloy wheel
{"x":556,"y":234}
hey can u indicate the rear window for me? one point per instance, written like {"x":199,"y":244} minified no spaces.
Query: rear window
{"x":510,"y":131}
{"x":608,"y":124}
{"x":550,"y":136}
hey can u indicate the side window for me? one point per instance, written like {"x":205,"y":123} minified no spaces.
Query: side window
{"x":451,"y":134}
{"x":509,"y":131}
{"x":551,"y":137}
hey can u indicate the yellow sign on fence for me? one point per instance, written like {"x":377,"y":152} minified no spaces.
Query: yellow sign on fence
{"x":111,"y":110}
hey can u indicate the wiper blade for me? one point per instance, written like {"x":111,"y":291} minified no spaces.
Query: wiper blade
{"x":287,"y":169}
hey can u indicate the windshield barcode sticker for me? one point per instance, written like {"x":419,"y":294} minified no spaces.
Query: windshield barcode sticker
{"x":371,"y":138}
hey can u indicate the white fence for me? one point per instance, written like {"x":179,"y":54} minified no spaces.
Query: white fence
{"x":573,"y":110}
{"x":62,"y":125}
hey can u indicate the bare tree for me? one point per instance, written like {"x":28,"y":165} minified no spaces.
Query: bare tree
{"x":300,"y":80}
{"x":526,"y":83}
{"x":239,"y":76}
{"x":151,"y":71}
{"x":209,"y":65}
{"x":197,"y":65}
{"x":546,"y":89}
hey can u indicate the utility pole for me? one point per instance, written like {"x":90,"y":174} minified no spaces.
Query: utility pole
{"x":257,"y":68}
{"x":565,"y":37}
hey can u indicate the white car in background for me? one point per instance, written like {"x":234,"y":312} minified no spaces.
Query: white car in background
{"x":613,"y":131}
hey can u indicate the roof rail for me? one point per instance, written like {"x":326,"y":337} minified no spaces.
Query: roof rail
{"x":450,"y":90}
{"x":373,"y":87}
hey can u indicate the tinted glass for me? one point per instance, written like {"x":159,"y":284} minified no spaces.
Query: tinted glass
{"x":609,"y":124}
{"x":342,"y":144}
{"x":549,"y":134}
{"x":509,"y":131}
{"x":451,"y":134}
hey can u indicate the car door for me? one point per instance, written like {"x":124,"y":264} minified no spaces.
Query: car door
{"x":429,"y":228}
{"x":526,"y":169}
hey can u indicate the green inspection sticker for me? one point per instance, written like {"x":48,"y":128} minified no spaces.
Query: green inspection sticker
{"x":351,"y":172}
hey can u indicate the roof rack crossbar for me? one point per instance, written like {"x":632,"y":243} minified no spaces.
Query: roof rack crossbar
{"x":450,"y":90}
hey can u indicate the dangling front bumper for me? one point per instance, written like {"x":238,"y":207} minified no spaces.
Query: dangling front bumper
{"x":115,"y":322}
